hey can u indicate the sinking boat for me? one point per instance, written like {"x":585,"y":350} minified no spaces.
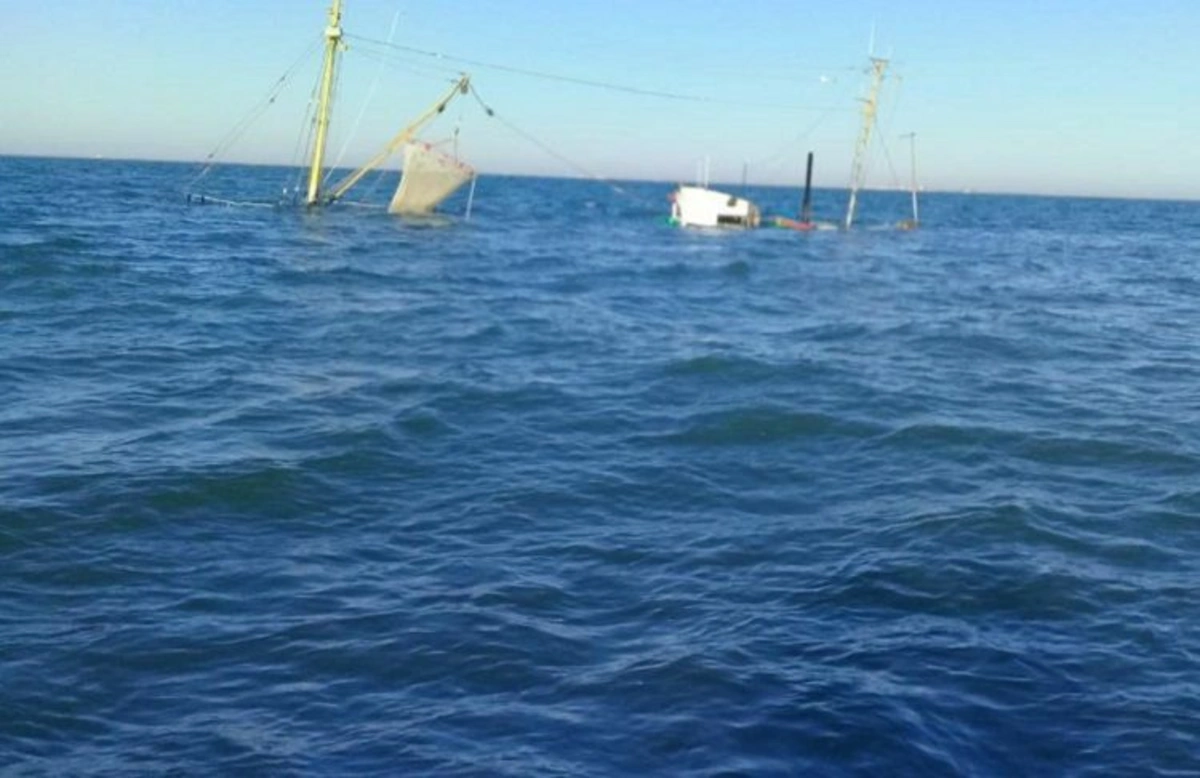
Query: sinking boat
{"x":698,"y":206}
{"x":429,"y":176}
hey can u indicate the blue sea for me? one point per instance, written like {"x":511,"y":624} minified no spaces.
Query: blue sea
{"x":560,"y":490}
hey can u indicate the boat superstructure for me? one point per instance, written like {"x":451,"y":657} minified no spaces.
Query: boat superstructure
{"x":698,"y":206}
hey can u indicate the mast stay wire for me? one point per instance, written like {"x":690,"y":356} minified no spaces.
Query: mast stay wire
{"x":883,"y":131}
{"x":304,"y":140}
{"x":259,"y":108}
{"x":578,"y":168}
{"x":370,"y":96}
{"x":411,"y":67}
{"x":813,"y":127}
{"x":624,"y":88}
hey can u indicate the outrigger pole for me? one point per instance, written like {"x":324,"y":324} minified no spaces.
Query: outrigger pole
{"x":333,"y":44}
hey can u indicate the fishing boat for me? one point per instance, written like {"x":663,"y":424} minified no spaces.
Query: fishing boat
{"x":428,"y":177}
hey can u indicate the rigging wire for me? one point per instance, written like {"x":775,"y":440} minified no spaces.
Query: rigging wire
{"x":487,"y":109}
{"x":261,"y":107}
{"x":411,"y":67}
{"x":376,"y":179}
{"x":887,"y":156}
{"x":211,"y":200}
{"x":613,"y":87}
{"x":304,"y":141}
{"x":883,"y":131}
{"x":813,"y":127}
{"x":370,"y":96}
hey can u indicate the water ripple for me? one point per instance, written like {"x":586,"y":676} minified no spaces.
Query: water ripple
{"x":562,"y":491}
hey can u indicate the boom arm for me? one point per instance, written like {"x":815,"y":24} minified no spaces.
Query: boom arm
{"x":462,"y":86}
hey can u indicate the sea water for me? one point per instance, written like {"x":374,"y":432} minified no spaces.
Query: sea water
{"x":560,"y":490}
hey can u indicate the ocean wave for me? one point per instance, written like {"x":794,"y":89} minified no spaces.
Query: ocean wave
{"x":325,"y":492}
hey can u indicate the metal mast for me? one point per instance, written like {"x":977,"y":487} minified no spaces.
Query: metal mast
{"x":916,"y":210}
{"x":333,"y":43}
{"x":870,"y":108}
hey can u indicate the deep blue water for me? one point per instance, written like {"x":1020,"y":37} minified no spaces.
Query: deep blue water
{"x":564,"y":491}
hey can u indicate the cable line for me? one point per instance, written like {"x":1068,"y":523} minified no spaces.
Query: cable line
{"x":612,"y":87}
{"x":362,"y":111}
{"x":252,"y":116}
{"x":551,"y":152}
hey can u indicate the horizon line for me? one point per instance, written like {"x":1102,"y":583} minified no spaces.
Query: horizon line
{"x":968,"y":192}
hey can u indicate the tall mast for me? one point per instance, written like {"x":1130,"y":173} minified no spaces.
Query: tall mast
{"x":870,"y":107}
{"x":333,"y":42}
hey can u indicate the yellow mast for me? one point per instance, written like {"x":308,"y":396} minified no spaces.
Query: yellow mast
{"x":870,"y":107}
{"x":333,"y":42}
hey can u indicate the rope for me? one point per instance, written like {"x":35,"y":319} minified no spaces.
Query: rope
{"x":546,"y":149}
{"x":613,"y":87}
{"x":783,"y":150}
{"x":252,"y":116}
{"x":370,"y":96}
{"x":210,"y":200}
{"x":362,"y":205}
{"x":411,"y":67}
{"x":887,"y":154}
{"x":304,"y":141}
{"x":371,"y":187}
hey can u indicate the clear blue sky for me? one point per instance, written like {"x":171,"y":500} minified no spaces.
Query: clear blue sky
{"x":1044,"y":96}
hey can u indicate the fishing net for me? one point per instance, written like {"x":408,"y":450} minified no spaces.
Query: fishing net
{"x":429,"y":178}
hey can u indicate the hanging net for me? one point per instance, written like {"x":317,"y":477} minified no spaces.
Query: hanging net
{"x":429,"y":178}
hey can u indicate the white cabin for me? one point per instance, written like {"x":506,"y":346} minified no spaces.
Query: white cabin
{"x":695,"y":206}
